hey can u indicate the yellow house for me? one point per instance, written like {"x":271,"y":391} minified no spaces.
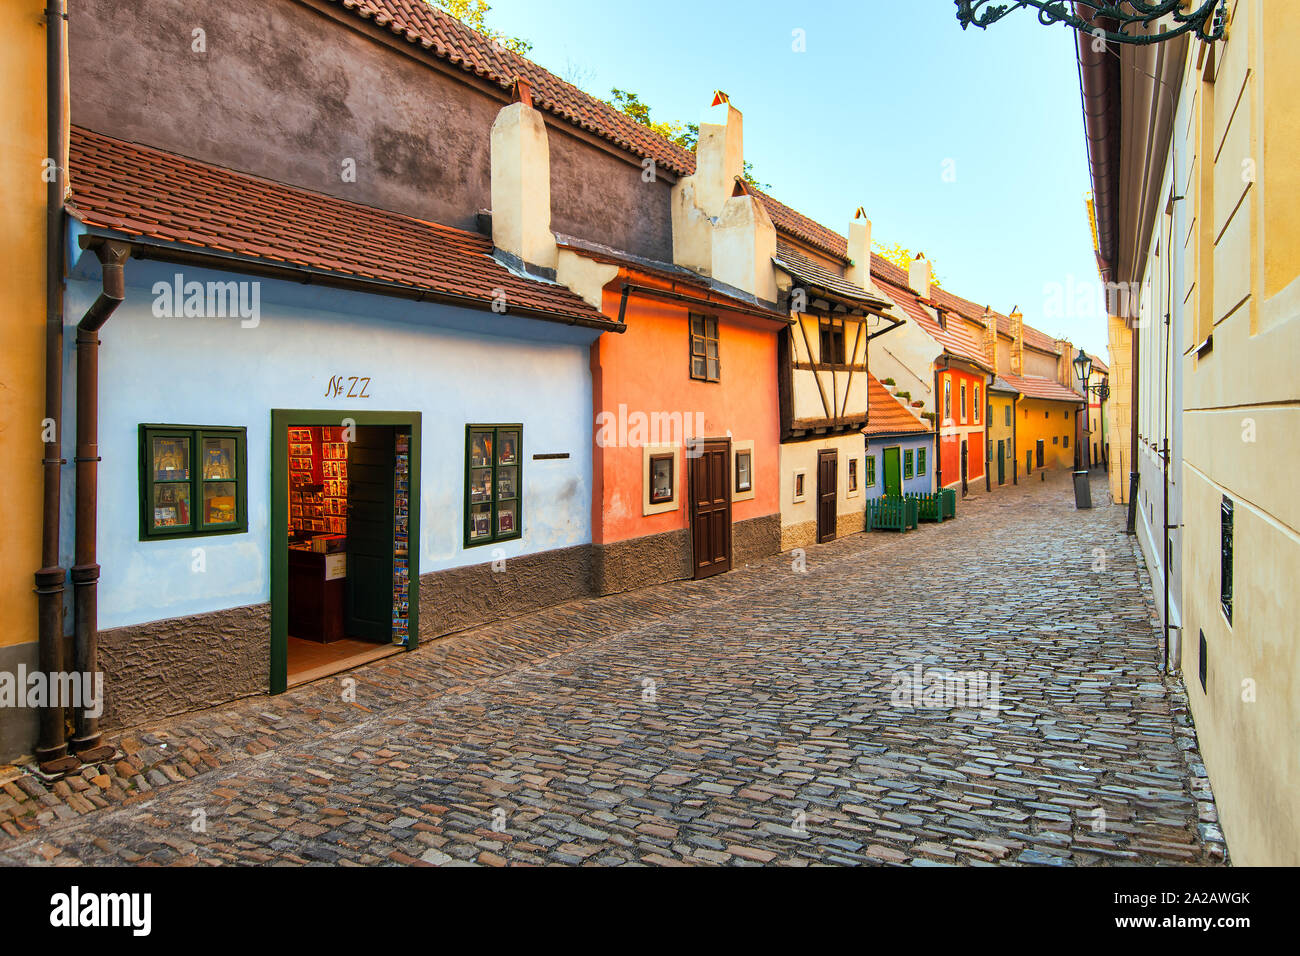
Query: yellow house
{"x":22,"y":329}
{"x":1046,"y":425}
{"x":1003,"y":469}
{"x":1199,"y":220}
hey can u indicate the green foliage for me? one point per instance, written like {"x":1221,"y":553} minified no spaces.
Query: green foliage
{"x":473,"y":13}
{"x":902,"y":257}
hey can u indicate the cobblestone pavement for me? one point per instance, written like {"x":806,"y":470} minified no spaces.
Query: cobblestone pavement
{"x":751,"y":718}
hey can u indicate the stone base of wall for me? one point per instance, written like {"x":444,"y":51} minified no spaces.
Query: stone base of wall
{"x":804,"y":534}
{"x":19,"y":726}
{"x":754,"y":539}
{"x":637,"y":562}
{"x":185,"y":663}
{"x":458,"y":598}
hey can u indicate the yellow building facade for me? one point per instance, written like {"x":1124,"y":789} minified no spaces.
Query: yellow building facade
{"x":22,"y":330}
{"x":1044,"y":435}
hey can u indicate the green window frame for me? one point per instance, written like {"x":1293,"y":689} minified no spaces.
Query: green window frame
{"x":494,"y":482}
{"x":193,"y":481}
{"x":870,"y":480}
{"x":920,"y":461}
{"x":907,"y":463}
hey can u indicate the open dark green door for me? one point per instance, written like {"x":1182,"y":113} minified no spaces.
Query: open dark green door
{"x":369,"y":592}
{"x":893,"y":471}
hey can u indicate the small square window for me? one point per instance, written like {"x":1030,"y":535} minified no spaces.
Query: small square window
{"x":832,"y":341}
{"x":661,"y":479}
{"x":799,"y":486}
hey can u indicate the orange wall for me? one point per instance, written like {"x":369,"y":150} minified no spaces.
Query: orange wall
{"x":647,"y":369}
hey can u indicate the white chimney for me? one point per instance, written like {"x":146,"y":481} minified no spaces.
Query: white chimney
{"x":521,"y":183}
{"x":744,"y":242}
{"x":859,"y":270}
{"x":719,"y":155}
{"x":918,"y":275}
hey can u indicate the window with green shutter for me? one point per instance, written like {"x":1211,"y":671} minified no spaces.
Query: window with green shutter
{"x":193,"y":481}
{"x":907,"y":463}
{"x":871,"y":471}
{"x":493,"y":483}
{"x":920,"y":461}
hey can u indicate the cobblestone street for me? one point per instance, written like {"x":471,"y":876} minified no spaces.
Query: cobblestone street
{"x":748,"y":718}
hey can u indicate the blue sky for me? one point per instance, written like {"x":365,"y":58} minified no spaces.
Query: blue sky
{"x":887,"y":96}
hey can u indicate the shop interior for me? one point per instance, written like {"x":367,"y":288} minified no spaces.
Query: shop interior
{"x":349,"y":581}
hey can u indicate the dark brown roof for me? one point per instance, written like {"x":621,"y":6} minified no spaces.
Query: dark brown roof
{"x":140,"y":191}
{"x":815,"y":276}
{"x":886,"y":415}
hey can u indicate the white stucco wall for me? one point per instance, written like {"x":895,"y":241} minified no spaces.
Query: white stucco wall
{"x":419,"y":357}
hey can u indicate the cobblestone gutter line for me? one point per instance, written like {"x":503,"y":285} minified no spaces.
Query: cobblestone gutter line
{"x":1184,"y":727}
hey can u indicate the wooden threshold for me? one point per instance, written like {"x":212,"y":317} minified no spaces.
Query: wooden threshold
{"x":310,"y":660}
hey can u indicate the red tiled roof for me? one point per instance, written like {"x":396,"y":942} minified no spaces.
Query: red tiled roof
{"x":1098,"y":365}
{"x":956,"y":339}
{"x":442,"y":35}
{"x":140,"y":191}
{"x":447,"y":38}
{"x":1032,"y":386}
{"x":886,"y":415}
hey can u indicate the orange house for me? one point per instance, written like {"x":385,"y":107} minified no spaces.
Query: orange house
{"x":686,"y":444}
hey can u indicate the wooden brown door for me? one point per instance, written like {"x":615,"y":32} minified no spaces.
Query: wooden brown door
{"x":710,"y":483}
{"x":827,"y":494}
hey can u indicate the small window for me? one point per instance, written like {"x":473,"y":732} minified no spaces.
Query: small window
{"x":1056,"y":439}
{"x":1007,"y":419}
{"x":744,"y":471}
{"x":832,"y":335}
{"x":962,"y":409}
{"x":853,"y":474}
{"x":989,"y":455}
{"x":192,"y":481}
{"x":661,"y":479}
{"x":798,"y":486}
{"x":871,"y":471}
{"x":976,"y":405}
{"x":1225,"y":557}
{"x":907,"y":463}
{"x":920,"y":461}
{"x":493,"y":483}
{"x":947,"y":399}
{"x":1065,"y":441}
{"x":704,"y":348}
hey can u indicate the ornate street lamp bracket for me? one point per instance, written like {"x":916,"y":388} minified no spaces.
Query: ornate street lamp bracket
{"x":1207,"y":20}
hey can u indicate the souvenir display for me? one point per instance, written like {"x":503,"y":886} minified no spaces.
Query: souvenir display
{"x":401,"y":552}
{"x":318,"y":487}
{"x":171,"y":505}
{"x":171,"y":457}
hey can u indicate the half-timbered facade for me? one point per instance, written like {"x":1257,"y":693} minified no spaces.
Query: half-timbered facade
{"x":823,"y":386}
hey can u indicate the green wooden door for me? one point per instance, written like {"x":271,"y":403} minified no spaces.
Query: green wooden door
{"x":893,"y":471}
{"x":369,"y":592}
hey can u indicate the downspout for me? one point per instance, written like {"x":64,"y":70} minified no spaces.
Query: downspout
{"x":938,"y":422}
{"x":1015,"y":446}
{"x":85,"y":572}
{"x":51,"y":747}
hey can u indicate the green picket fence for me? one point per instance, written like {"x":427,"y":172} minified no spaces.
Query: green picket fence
{"x":891,"y":513}
{"x":949,"y":502}
{"x":929,"y":507}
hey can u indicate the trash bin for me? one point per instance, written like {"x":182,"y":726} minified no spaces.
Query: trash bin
{"x":1082,"y":490}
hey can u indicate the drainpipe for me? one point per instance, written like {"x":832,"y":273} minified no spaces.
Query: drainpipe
{"x":85,"y":573}
{"x":1133,"y":474}
{"x":1015,"y":447}
{"x":51,"y":747}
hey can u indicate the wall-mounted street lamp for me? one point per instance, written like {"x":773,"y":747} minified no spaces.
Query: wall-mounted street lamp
{"x":1118,"y":21}
{"x":1083,"y":368}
